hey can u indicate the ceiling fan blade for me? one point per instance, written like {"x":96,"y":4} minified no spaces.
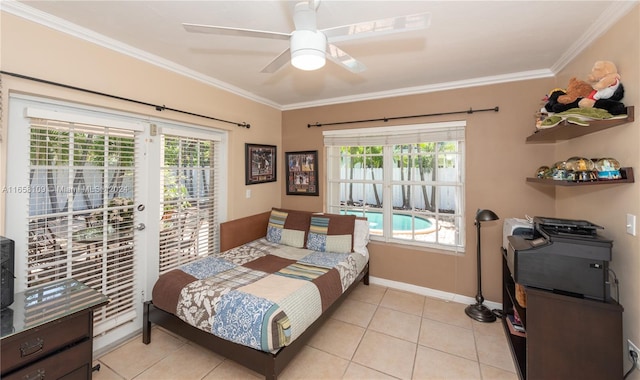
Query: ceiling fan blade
{"x":378,"y":27}
{"x":210,"y":29}
{"x":278,"y":62}
{"x":343,"y":59}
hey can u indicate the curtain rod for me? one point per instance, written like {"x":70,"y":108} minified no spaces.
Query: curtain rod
{"x":157,"y":107}
{"x":386,"y":119}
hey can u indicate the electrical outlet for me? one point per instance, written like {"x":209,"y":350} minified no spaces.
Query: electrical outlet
{"x":633,"y":347}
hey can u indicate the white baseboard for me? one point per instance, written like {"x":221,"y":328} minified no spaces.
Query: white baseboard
{"x":431,"y":292}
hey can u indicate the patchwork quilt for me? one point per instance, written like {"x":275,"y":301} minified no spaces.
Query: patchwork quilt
{"x":261,"y":294}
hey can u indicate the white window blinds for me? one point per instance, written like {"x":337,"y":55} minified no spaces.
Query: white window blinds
{"x":189,"y":221}
{"x":446,"y":131}
{"x":80,"y":219}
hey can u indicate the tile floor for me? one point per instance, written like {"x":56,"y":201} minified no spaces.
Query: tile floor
{"x":377,"y":333}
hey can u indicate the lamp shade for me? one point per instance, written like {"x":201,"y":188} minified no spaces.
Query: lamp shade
{"x":485,"y":215}
{"x":308,"y":49}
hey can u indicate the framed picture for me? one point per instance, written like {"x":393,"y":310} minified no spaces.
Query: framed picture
{"x":260,"y":163}
{"x":302,"y":172}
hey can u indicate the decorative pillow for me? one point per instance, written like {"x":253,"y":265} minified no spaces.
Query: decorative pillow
{"x":293,"y":238}
{"x":331,"y":233}
{"x":361,"y":236}
{"x":288,"y":227}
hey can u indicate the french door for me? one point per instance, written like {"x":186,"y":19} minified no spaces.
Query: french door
{"x":82,"y":202}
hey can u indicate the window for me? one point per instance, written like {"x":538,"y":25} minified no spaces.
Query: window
{"x":407,"y":180}
{"x":188,"y":226}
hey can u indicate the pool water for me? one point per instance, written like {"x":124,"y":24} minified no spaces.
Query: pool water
{"x":400,"y":222}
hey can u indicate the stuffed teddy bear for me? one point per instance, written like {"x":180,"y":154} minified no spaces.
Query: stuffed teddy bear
{"x":607,"y":89}
{"x":560,"y":100}
{"x":602,"y":73}
{"x":576,"y":90}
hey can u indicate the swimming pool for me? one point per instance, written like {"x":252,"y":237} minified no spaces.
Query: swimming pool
{"x":401,"y":223}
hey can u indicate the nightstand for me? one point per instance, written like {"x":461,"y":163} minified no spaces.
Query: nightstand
{"x":48,"y":332}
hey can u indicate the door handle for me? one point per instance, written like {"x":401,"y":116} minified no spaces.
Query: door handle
{"x":140,"y":226}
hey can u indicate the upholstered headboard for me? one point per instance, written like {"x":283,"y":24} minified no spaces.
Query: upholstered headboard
{"x":333,"y":227}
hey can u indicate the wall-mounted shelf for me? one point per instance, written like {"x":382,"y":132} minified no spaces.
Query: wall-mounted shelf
{"x":567,"y":131}
{"x":626,"y":173}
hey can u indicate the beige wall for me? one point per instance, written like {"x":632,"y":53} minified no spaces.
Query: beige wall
{"x":34,"y":50}
{"x":608,"y":205}
{"x":497,"y":162}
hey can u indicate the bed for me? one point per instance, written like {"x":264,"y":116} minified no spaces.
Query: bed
{"x":279,"y":275}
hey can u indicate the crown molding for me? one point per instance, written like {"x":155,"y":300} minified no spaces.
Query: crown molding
{"x":606,"y":20}
{"x":56,"y":23}
{"x":474,"y":82}
{"x":611,"y":15}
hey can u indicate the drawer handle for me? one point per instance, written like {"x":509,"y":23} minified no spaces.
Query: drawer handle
{"x":36,"y":375}
{"x":31,"y":347}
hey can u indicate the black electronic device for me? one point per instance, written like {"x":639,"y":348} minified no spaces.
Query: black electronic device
{"x":565,"y":256}
{"x":6,"y":322}
{"x":7,"y":268}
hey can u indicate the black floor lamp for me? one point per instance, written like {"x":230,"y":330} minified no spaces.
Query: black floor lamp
{"x":478,"y":311}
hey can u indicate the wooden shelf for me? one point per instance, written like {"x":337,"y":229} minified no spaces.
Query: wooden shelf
{"x":567,"y":131}
{"x":626,"y":173}
{"x":589,"y":330}
{"x":517,"y":344}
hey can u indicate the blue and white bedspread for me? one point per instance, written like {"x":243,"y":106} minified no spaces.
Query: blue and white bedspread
{"x":262,"y":295}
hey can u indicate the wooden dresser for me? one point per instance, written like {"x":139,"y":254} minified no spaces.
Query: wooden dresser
{"x":48,"y":332}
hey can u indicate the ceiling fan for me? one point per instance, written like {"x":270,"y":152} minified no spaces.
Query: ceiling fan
{"x":309,"y":47}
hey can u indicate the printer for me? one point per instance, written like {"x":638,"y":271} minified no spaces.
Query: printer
{"x":515,"y":226}
{"x":565,"y":256}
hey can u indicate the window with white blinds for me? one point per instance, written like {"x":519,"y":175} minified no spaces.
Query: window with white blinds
{"x":408,"y":181}
{"x":189,"y":221}
{"x":80,"y":219}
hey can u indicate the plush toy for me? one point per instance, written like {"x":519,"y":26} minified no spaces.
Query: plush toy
{"x":607,"y":89}
{"x":601,"y":96}
{"x":576,"y":90}
{"x":605,"y":81}
{"x":560,"y":100}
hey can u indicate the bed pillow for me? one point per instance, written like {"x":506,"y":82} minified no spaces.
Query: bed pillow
{"x":288,"y":227}
{"x":361,"y":236}
{"x":331,"y":233}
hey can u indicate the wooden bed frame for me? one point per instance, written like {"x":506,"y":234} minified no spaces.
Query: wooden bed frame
{"x":233,"y":234}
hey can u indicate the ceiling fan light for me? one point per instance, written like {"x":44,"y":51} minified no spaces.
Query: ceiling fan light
{"x":308,"y":50}
{"x":308,"y":59}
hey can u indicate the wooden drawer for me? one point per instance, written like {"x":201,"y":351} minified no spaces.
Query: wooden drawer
{"x":83,"y":373}
{"x":39,"y":342}
{"x":72,"y":363}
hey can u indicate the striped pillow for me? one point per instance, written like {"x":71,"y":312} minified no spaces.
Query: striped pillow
{"x":331,"y":233}
{"x":288,"y":227}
